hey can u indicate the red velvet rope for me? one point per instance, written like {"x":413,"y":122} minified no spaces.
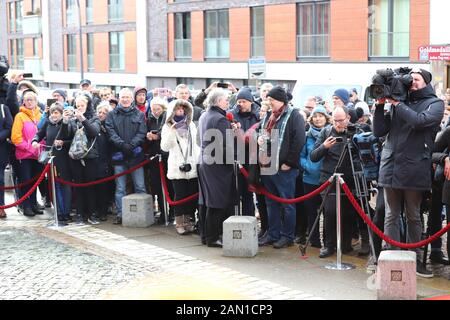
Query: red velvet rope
{"x":263,"y":191}
{"x":375,"y":229}
{"x":93,"y":183}
{"x":20,"y":201}
{"x":20,"y":185}
{"x":166,"y":191}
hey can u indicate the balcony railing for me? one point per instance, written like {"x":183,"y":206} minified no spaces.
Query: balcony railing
{"x":19,"y":25}
{"x":72,"y":16}
{"x":257,"y":46}
{"x":91,"y":63}
{"x":72,"y":62}
{"x":217,"y":48}
{"x":183,"y":48}
{"x":388,"y":44}
{"x":34,"y":66}
{"x":116,"y":62}
{"x":32,"y":25}
{"x":312,"y":46}
{"x":115,"y":13}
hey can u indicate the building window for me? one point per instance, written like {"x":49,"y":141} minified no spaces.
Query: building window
{"x":19,"y":53}
{"x":12,"y":54}
{"x":313,"y":28}
{"x":36,"y":7}
{"x":217,"y":42}
{"x":11,"y":16}
{"x":19,"y":8}
{"x":71,"y":12}
{"x":389,"y":28}
{"x":35,"y":47}
{"x":116,"y":51}
{"x":257,"y":31}
{"x":90,"y":51}
{"x":71,"y":52}
{"x":183,"y":35}
{"x":89,"y":11}
{"x":115,"y":10}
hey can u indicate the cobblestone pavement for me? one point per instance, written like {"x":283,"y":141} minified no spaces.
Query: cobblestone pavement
{"x":89,"y":263}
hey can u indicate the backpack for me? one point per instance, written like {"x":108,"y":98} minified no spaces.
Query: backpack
{"x":79,"y":147}
{"x":369,"y":149}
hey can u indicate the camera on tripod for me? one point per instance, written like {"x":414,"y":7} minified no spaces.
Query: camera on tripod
{"x":388,"y":83}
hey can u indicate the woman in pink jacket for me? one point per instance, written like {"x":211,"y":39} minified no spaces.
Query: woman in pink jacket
{"x":23,"y":131}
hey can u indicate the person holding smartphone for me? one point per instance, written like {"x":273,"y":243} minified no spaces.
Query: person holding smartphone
{"x":328,"y":150}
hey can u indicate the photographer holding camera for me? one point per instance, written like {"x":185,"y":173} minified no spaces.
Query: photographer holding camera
{"x":329,"y":147}
{"x":177,"y":138}
{"x":405,"y":168}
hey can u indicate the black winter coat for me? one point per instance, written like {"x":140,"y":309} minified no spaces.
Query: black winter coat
{"x":332,"y":155}
{"x":155,"y":124}
{"x":126,"y":126}
{"x":51,"y":132}
{"x":411,"y":131}
{"x":6,"y":122}
{"x":294,"y":138}
{"x":103,"y":162}
{"x":216,"y":180}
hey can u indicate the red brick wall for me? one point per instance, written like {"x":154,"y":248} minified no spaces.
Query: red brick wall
{"x":130,"y":52}
{"x":419,"y":30}
{"x":239,"y":34}
{"x":171,"y":36}
{"x":197,"y":32}
{"x":280,"y":32}
{"x":101,"y":52}
{"x":349,"y":30}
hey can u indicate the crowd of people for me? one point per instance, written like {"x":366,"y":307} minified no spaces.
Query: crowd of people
{"x":97,"y":135}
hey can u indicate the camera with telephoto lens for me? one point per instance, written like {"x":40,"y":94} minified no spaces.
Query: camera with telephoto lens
{"x":185,"y":167}
{"x":394,"y":84}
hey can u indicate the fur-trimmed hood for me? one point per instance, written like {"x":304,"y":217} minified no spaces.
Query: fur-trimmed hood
{"x":188,"y":110}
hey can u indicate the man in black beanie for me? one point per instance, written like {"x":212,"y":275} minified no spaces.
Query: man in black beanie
{"x":284,"y":127}
{"x":405,"y":168}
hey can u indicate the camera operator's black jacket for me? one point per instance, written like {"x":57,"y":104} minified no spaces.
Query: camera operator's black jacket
{"x":411,"y":130}
{"x":331,"y":157}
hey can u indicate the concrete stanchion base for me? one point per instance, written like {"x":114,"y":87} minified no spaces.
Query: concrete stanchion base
{"x":137,"y":211}
{"x":396,"y":275}
{"x":240,"y":238}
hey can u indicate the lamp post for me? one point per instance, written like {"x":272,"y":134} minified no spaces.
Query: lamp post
{"x":81,"y":41}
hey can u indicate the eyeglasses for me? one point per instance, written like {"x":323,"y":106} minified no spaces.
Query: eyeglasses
{"x":340,"y":120}
{"x":30,"y":100}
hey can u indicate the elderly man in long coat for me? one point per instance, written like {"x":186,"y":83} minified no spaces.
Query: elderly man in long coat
{"x":216,"y":176}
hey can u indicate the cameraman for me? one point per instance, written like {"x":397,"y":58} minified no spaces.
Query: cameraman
{"x":329,"y":147}
{"x":405,"y":168}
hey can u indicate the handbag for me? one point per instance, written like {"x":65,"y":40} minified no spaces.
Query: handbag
{"x":79,"y":147}
{"x":45,"y":155}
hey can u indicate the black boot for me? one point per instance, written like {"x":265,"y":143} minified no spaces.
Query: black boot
{"x":28,"y":212}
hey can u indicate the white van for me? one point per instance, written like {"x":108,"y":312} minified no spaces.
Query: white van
{"x":322,"y":79}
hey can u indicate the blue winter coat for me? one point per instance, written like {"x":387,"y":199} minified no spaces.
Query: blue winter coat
{"x":311,"y":170}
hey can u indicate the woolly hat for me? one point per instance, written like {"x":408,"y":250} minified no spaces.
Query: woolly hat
{"x":244,"y":94}
{"x":61,"y":92}
{"x":319,"y":109}
{"x":427,"y":77}
{"x":364,"y":107}
{"x":279,"y":94}
{"x":342,"y":94}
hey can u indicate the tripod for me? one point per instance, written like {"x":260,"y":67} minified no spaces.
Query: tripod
{"x":361,"y":190}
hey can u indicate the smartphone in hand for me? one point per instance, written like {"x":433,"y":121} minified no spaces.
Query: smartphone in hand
{"x":27,"y":75}
{"x":222,"y":85}
{"x":339,"y":139}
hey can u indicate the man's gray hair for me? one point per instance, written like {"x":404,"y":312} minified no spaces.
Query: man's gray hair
{"x":181,"y":86}
{"x":266,"y":85}
{"x":126,"y":90}
{"x":214,"y":96}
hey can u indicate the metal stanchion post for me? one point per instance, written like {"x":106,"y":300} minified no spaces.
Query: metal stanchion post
{"x":55,"y":203}
{"x":339,"y":265}
{"x":166,"y":208}
{"x":237,"y":207}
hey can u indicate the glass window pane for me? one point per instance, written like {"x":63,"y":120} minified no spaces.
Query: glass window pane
{"x":313,"y":29}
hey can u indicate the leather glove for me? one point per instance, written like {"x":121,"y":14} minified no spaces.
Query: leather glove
{"x":127,"y":149}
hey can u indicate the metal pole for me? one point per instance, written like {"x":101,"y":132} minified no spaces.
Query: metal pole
{"x":339,"y":265}
{"x":338,"y":221}
{"x":80,"y":31}
{"x":166,"y":209}
{"x":237,"y":206}
{"x":55,"y":203}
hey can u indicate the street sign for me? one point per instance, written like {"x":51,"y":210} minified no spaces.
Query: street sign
{"x":257,"y":68}
{"x":434,"y":53}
